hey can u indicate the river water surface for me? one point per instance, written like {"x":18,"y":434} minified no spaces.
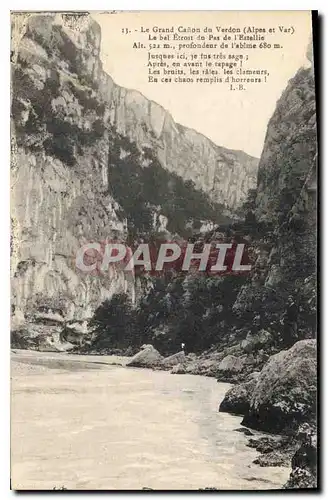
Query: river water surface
{"x":83,"y":425}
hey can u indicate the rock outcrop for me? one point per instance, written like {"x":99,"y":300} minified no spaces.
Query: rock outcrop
{"x":282,"y":294}
{"x":253,"y":343}
{"x":174,"y":360}
{"x":229,"y":367}
{"x":280,"y":397}
{"x":288,"y":160}
{"x":278,"y":303}
{"x":148,"y":357}
{"x":285,"y":392}
{"x":237,"y":399}
{"x":42,"y":333}
{"x":63,"y":108}
{"x":60,"y":198}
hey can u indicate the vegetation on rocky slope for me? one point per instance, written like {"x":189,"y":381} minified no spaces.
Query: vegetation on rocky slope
{"x":144,"y":190}
{"x":234,"y":323}
{"x":269,"y":311}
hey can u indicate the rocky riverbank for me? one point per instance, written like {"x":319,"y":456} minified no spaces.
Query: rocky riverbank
{"x":75,"y":133}
{"x":91,"y":425}
{"x":280,"y":398}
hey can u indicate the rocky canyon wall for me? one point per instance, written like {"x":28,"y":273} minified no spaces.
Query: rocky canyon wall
{"x":284,"y":276}
{"x":63,"y":108}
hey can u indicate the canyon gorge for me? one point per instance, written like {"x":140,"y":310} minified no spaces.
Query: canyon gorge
{"x":95,"y":162}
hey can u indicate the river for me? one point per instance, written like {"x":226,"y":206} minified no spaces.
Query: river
{"x":81,"y":425}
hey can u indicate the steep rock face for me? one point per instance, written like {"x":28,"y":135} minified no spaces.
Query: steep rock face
{"x":281,"y":295}
{"x":289,"y":152}
{"x":225,"y":175}
{"x":282,"y":292}
{"x":63,"y":106}
{"x":46,"y":201}
{"x":287,"y":183}
{"x":59,"y":183}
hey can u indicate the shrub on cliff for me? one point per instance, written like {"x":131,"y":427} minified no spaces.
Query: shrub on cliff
{"x":143,"y":190}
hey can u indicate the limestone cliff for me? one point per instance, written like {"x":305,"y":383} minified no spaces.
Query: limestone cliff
{"x":289,"y":154}
{"x":59,"y":189}
{"x":284,"y":275}
{"x":225,"y":175}
{"x":287,"y":183}
{"x":63,"y":108}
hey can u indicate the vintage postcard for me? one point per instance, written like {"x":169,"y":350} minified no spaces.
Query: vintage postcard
{"x":163,"y":250}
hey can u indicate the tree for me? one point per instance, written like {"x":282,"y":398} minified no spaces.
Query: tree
{"x":113,"y":323}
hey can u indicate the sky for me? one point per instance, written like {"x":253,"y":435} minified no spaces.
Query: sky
{"x":236,"y":120}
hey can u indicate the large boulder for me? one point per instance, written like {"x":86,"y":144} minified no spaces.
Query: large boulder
{"x":229,"y":368}
{"x":285,"y":393}
{"x":231,"y":363}
{"x":173,"y":360}
{"x":148,"y":357}
{"x":237,"y":399}
{"x":206,"y":364}
{"x":253,"y":342}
